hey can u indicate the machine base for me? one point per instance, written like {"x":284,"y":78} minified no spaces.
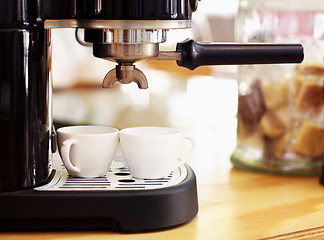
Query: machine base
{"x":125,"y":211}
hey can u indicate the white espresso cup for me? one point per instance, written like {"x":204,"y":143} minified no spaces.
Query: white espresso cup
{"x":87,"y":151}
{"x":153,"y":152}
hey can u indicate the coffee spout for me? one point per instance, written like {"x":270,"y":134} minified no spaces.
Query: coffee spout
{"x":125,"y":73}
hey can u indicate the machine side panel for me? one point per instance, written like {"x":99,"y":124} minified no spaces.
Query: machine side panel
{"x":24,"y":108}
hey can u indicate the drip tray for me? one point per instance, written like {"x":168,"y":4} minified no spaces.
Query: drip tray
{"x":116,"y":202}
{"x":117,"y":178}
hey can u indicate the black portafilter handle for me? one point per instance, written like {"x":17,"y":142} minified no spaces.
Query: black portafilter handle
{"x":195,"y":54}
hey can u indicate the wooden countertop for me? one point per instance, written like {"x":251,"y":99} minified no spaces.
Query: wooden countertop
{"x":234,"y":204}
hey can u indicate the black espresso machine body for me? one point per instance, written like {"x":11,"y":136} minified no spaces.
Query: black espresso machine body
{"x":25,"y":90}
{"x":35,"y":189}
{"x":28,"y":146}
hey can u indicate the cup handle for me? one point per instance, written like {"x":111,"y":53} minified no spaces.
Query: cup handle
{"x":65,"y":151}
{"x":193,"y":150}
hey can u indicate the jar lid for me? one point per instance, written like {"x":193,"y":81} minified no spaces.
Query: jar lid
{"x":305,"y":5}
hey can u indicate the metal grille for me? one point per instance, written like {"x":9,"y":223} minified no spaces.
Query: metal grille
{"x":118,"y":178}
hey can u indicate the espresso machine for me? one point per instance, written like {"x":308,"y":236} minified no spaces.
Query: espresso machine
{"x":36,"y":192}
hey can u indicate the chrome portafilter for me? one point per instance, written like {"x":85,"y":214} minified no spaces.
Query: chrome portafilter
{"x":191,"y":54}
{"x":128,"y":46}
{"x":125,"y":55}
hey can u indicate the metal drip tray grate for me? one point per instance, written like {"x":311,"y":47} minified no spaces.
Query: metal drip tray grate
{"x":117,"y":178}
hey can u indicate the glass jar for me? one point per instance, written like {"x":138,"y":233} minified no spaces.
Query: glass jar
{"x":281,"y":107}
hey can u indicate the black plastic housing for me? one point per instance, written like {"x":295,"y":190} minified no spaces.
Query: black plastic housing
{"x":25,"y":123}
{"x":123,"y":211}
{"x":32,"y":12}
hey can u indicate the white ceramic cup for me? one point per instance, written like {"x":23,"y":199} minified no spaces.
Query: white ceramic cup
{"x":87,"y":151}
{"x":153,"y":152}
